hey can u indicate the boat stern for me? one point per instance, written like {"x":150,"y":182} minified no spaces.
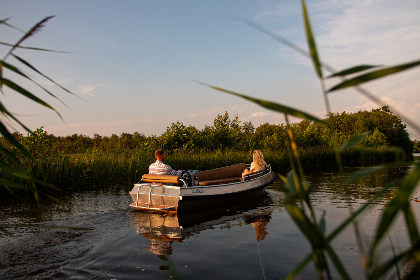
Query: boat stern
{"x":152,"y":196}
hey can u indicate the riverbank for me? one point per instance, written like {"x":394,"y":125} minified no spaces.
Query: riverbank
{"x":125,"y":168}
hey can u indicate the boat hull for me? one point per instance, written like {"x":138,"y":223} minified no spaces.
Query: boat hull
{"x":160,"y":197}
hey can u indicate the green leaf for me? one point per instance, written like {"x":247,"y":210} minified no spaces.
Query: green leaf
{"x":295,"y":272}
{"x":271,"y":105}
{"x":311,"y":41}
{"x":8,"y":154}
{"x":19,"y":72}
{"x":7,"y":170}
{"x":4,"y":21}
{"x":411,"y":224}
{"x":336,"y":261}
{"x":9,"y":137}
{"x":374,"y":75}
{"x":24,"y":92}
{"x":29,"y":34}
{"x":353,"y":141}
{"x":301,"y":220}
{"x":362,"y":173}
{"x":398,"y":203}
{"x":30,"y":48}
{"x":5,"y":112}
{"x":379,"y":270}
{"x":284,"y":41}
{"x":37,"y":71}
{"x":353,"y":70}
{"x":344,"y":224}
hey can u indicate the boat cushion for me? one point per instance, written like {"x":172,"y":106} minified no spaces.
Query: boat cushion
{"x":227,"y":174}
{"x":220,"y":181}
{"x":164,"y":179}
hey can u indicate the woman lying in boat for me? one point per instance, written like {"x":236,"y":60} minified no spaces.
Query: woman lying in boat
{"x":258,"y":163}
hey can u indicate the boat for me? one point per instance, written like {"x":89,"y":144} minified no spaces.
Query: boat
{"x":199,"y":189}
{"x":162,"y":229}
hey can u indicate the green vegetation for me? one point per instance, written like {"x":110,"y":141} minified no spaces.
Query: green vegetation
{"x":385,"y":130}
{"x":297,"y":190}
{"x":80,"y":160}
{"x":13,"y":172}
{"x":416,"y":146}
{"x":125,"y":167}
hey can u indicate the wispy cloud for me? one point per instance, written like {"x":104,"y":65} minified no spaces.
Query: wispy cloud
{"x":258,"y":114}
{"x":87,"y":90}
{"x":369,"y":32}
{"x":350,"y":33}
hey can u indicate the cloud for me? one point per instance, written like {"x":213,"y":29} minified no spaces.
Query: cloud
{"x":384,"y":32}
{"x":87,"y":90}
{"x":258,"y":114}
{"x":348,"y":33}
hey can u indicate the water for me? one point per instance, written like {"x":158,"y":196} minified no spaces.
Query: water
{"x":97,"y":236}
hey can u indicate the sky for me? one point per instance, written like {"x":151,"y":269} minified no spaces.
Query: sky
{"x":133,"y":65}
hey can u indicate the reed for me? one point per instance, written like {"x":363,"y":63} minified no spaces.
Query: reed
{"x":297,"y":190}
{"x":104,"y":169}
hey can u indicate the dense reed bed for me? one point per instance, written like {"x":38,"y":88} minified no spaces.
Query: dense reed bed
{"x":123,"y":169}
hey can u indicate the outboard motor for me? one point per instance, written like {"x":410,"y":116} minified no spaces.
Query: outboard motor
{"x":191,"y":177}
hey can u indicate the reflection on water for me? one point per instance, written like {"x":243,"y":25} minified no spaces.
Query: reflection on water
{"x":162,"y":229}
{"x":97,"y":235}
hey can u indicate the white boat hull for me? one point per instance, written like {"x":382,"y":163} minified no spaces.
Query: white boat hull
{"x":163,"y":197}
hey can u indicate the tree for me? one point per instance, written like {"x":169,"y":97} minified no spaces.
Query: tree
{"x":225,"y":132}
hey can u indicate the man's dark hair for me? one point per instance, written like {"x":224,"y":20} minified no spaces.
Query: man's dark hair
{"x":159,"y":152}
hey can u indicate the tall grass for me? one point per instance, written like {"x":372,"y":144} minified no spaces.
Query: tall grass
{"x":299,"y":205}
{"x":104,"y":169}
{"x":13,"y":175}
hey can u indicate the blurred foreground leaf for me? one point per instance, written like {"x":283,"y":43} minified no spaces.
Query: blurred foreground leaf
{"x":352,"y":70}
{"x":270,"y":105}
{"x":311,"y":41}
{"x":374,"y":75}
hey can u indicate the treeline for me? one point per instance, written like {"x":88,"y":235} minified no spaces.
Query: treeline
{"x":226,"y":133}
{"x":83,"y":161}
{"x":416,"y":146}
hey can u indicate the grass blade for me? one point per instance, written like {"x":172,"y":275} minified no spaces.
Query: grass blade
{"x":30,"y":48}
{"x":25,"y":93}
{"x":353,"y":141}
{"x":28,"y":34}
{"x":381,"y":270}
{"x":311,"y":41}
{"x":19,"y":72}
{"x":9,"y":137}
{"x":353,"y":70}
{"x":399,"y":202}
{"x":270,"y":105}
{"x":36,"y":70}
{"x":362,"y":173}
{"x":4,"y":21}
{"x":374,"y":75}
{"x":411,"y":224}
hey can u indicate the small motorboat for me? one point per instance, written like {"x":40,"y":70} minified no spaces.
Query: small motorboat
{"x":178,"y":227}
{"x":199,"y":189}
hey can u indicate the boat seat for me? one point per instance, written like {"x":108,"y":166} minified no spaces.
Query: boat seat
{"x":220,"y":181}
{"x":222,"y":175}
{"x":162,"y":179}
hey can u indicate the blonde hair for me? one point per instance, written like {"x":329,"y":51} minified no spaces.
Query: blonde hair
{"x":259,"y":158}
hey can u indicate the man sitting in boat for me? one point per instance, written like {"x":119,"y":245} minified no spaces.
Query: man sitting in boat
{"x":159,"y":168}
{"x":258,"y":163}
